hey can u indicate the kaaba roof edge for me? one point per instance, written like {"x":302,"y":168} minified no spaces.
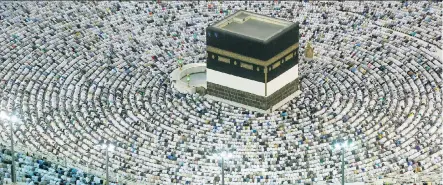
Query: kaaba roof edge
{"x":218,"y":27}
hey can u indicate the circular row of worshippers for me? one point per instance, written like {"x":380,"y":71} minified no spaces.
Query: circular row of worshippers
{"x":357,"y":85}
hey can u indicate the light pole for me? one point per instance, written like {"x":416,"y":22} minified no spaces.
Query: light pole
{"x":108,"y":148}
{"x":11,"y":119}
{"x":223,"y":156}
{"x":223,"y":170}
{"x":342,"y":146}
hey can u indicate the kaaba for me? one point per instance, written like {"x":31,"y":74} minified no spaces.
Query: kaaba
{"x":252,"y":59}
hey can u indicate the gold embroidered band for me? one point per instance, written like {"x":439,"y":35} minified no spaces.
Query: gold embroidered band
{"x":250,"y":59}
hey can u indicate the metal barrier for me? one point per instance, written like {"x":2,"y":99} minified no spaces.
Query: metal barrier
{"x":129,"y":179}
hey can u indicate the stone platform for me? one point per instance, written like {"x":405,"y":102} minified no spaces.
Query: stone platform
{"x":251,"y":101}
{"x":273,"y":108}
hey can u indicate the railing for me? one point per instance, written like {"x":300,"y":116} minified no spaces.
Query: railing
{"x":69,"y":163}
{"x":129,"y":178}
{"x":416,"y":177}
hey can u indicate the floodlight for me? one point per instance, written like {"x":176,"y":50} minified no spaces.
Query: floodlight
{"x":223,"y":154}
{"x":111,"y":147}
{"x":228,"y":156}
{"x":13,"y":118}
{"x":337,"y":146}
{"x":3,"y":115}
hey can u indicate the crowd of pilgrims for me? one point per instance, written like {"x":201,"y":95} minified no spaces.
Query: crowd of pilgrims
{"x":80,"y":74}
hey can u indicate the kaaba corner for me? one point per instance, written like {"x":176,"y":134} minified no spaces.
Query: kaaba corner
{"x":252,"y":59}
